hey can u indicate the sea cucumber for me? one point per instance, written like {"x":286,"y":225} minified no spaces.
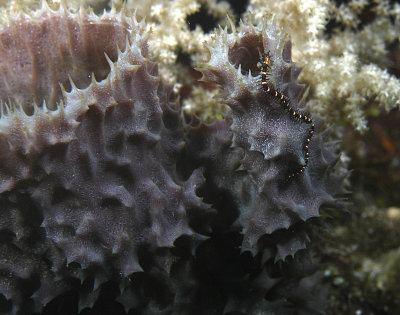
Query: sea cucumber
{"x":86,"y":185}
{"x":97,"y":178}
{"x":254,"y":149}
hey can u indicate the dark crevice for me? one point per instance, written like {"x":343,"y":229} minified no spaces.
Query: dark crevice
{"x":202,"y":18}
{"x":238,"y":7}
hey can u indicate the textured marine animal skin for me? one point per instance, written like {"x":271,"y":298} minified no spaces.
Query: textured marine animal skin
{"x":259,"y":145}
{"x":90,"y":176}
{"x":30,"y":72}
{"x":99,"y":174}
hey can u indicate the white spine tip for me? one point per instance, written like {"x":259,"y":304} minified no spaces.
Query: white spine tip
{"x":73,"y":86}
{"x":109,"y":60}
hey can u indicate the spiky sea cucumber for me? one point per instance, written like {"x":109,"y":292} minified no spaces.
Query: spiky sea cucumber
{"x":259,"y":144}
{"x":86,"y":185}
{"x":94,"y":174}
{"x":46,"y":48}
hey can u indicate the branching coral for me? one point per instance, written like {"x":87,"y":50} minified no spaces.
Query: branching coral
{"x":345,"y":69}
{"x":170,"y":32}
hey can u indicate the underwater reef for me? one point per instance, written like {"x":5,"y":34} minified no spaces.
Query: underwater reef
{"x":151,"y":167}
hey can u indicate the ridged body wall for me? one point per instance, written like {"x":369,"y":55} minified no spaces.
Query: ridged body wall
{"x":260,"y":144}
{"x":84,"y":186}
{"x":101,"y":181}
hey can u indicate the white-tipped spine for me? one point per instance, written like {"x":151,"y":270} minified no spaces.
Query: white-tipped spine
{"x":73,"y":86}
{"x":231,"y":23}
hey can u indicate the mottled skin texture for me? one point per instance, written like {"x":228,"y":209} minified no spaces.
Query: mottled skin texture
{"x":31,"y":72}
{"x":111,"y":185}
{"x":100,"y":174}
{"x":263,"y":144}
